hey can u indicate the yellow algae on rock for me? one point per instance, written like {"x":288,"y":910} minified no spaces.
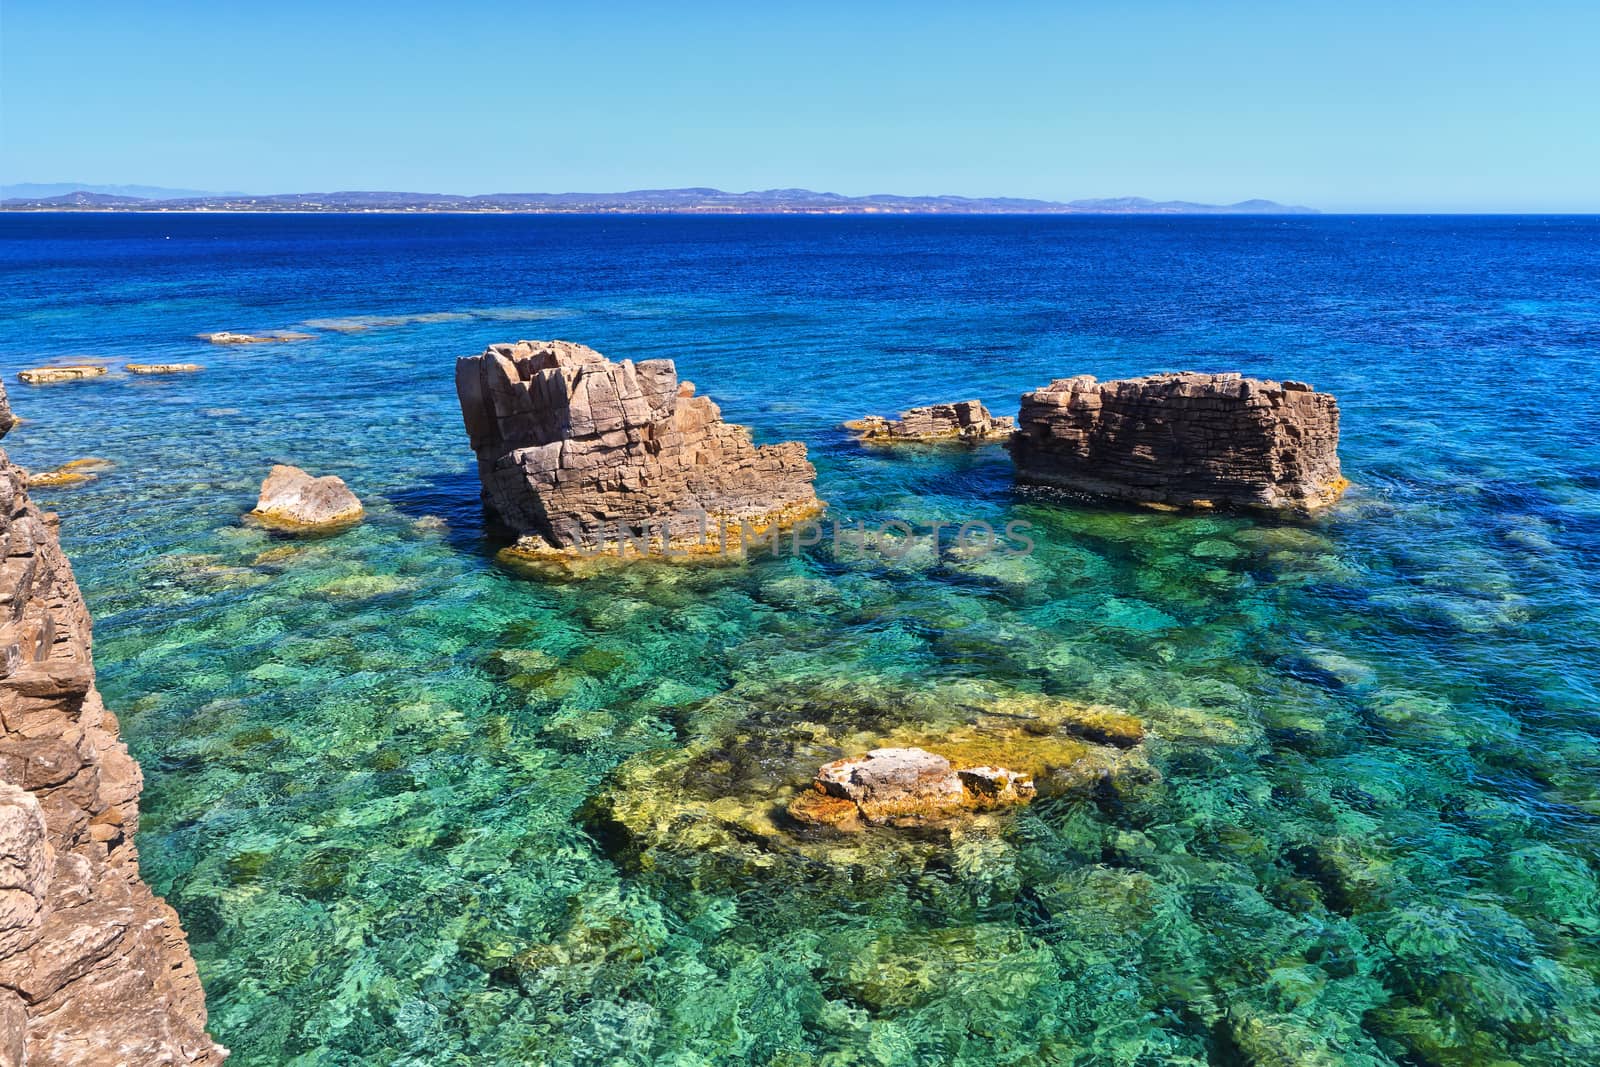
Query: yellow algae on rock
{"x":842,"y":783}
{"x":76,"y":472}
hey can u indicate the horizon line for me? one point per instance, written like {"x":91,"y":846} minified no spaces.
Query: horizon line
{"x":53,"y":197}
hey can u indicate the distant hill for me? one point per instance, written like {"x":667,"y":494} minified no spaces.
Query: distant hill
{"x":43,"y":190}
{"x":640,"y":201}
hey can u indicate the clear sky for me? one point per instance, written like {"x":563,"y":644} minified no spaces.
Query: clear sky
{"x":1342,"y":106}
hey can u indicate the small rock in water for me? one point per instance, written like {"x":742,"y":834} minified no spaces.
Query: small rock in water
{"x":77,"y":472}
{"x":162,"y":368}
{"x":295,"y":501}
{"x":228,"y":337}
{"x":904,"y":787}
{"x":965,"y":420}
{"x":41,"y":375}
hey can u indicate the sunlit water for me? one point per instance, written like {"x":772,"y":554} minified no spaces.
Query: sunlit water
{"x":372,"y":761}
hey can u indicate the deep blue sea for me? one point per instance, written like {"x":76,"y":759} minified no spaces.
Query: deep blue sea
{"x":379,"y":766}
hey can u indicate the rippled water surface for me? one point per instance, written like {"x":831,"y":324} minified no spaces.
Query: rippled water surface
{"x":382,"y":772}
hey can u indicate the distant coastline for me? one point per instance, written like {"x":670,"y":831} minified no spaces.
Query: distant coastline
{"x":697,"y":201}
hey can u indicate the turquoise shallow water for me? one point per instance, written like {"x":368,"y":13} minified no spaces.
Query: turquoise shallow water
{"x":377,"y":764}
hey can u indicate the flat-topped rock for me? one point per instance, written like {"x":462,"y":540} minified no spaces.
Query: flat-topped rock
{"x":295,"y":501}
{"x":964,"y":420}
{"x":228,"y":337}
{"x":42,"y":375}
{"x":1185,"y":439}
{"x":576,"y":452}
{"x":162,"y":368}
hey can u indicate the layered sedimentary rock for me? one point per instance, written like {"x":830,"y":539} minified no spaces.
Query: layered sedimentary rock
{"x":1184,"y":439}
{"x":576,"y":453}
{"x":94,"y":968}
{"x":965,"y":420}
{"x":295,"y":501}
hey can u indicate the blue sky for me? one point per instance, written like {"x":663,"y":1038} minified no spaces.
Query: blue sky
{"x":1347,"y":106}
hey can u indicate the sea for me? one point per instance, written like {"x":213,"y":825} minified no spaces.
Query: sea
{"x":383,"y":769}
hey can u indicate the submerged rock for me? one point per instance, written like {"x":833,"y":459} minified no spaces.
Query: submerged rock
{"x":965,"y":420}
{"x":76,"y":472}
{"x":578,"y":455}
{"x":228,"y":337}
{"x":162,"y":368}
{"x":1184,"y":439}
{"x":940,"y":780}
{"x":293,"y":500}
{"x":42,"y":375}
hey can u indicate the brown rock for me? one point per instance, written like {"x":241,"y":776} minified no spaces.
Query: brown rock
{"x":26,"y":865}
{"x":94,"y":968}
{"x":7,"y":419}
{"x":995,"y":787}
{"x":906,"y":787}
{"x":578,"y":454}
{"x":295,"y":501}
{"x":41,"y":375}
{"x":966,"y":420}
{"x":1183,"y":439}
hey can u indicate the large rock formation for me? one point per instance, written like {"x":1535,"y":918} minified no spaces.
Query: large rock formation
{"x":577,"y":453}
{"x":1184,"y":439}
{"x":964,"y":420}
{"x":94,"y":968}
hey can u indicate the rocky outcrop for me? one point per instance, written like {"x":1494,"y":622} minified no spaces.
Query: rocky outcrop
{"x":905,"y":787}
{"x":1184,"y":439}
{"x":42,"y":375}
{"x":965,"y":420}
{"x":162,"y":368}
{"x":94,"y":968}
{"x":294,"y":501}
{"x":579,"y":454}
